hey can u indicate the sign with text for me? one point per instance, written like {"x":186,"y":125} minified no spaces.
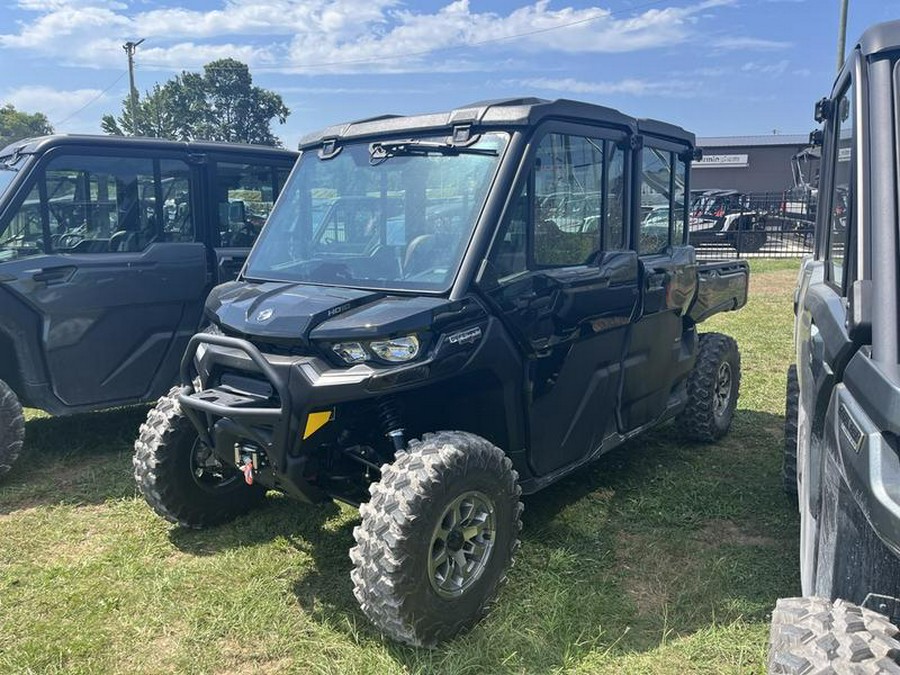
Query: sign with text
{"x":711,"y":161}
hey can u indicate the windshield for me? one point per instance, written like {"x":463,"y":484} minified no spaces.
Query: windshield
{"x":6,"y":177}
{"x":395,"y":215}
{"x":9,"y":167}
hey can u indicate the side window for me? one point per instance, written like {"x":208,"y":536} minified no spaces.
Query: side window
{"x":510,"y":256}
{"x":245,"y":194}
{"x":572,"y":204}
{"x":282,"y":174}
{"x":97,"y":204}
{"x":680,"y":201}
{"x":568,"y":184}
{"x":175,"y":197}
{"x":614,"y":236}
{"x":841,"y":188}
{"x":657,"y":203}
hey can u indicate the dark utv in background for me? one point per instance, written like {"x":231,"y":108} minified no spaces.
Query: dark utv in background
{"x":108,"y":247}
{"x":842,"y":427}
{"x":442,"y":312}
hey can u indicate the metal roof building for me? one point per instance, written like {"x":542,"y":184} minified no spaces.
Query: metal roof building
{"x":747,"y":163}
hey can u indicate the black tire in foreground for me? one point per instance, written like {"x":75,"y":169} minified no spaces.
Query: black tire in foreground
{"x":436,"y":538}
{"x":712,"y":389}
{"x":180,"y":477}
{"x":815,"y":635}
{"x":12,"y":427}
{"x":791,"y":417}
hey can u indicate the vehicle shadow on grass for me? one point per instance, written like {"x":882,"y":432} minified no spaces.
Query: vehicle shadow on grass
{"x":657,"y":540}
{"x":82,"y":459}
{"x":322,"y":532}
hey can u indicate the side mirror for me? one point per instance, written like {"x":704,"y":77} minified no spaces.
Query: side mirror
{"x":823,"y":110}
{"x":859,"y":312}
{"x":816,"y":138}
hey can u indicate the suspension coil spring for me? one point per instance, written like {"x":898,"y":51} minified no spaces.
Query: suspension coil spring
{"x":389,"y":415}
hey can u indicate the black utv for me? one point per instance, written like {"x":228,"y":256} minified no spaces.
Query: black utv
{"x":442,"y":313}
{"x":108,"y":248}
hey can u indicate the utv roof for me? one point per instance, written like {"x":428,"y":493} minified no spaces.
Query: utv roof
{"x":498,"y":114}
{"x":880,"y":38}
{"x":30,"y":146}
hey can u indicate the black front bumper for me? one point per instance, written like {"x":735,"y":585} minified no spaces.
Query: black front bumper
{"x":275,"y":420}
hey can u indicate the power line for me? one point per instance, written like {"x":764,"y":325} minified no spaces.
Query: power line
{"x":92,"y":101}
{"x":423,"y":52}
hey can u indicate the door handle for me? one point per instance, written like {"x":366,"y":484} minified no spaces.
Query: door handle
{"x":53,"y":275}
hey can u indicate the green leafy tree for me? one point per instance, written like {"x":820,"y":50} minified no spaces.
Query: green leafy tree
{"x":221,"y":104}
{"x":16,"y":125}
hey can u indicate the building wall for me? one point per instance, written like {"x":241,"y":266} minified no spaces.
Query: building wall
{"x":768,"y":168}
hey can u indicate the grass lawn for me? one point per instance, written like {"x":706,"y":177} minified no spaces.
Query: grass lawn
{"x":664,"y":557}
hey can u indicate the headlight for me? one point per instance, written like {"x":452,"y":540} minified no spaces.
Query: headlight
{"x":351,"y":352}
{"x":396,"y":350}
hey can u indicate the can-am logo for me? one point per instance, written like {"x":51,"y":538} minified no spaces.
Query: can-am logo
{"x":265,"y":315}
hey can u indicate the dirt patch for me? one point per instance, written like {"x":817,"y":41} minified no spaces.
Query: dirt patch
{"x":778,"y":282}
{"x":651,"y":572}
{"x":722,"y":532}
{"x":657,"y":571}
{"x":239,"y":660}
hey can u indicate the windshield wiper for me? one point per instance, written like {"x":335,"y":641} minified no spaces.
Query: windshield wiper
{"x":379,"y":152}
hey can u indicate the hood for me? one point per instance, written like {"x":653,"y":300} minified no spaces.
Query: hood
{"x":276,"y":310}
{"x":299,"y":312}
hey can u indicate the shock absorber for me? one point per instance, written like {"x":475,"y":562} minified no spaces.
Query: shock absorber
{"x":391,"y":422}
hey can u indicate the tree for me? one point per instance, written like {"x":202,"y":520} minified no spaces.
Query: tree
{"x":16,"y":125}
{"x":221,"y":104}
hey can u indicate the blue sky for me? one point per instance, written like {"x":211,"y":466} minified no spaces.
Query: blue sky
{"x":716,"y":67}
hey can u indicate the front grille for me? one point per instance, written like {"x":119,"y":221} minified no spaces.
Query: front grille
{"x":293,"y":347}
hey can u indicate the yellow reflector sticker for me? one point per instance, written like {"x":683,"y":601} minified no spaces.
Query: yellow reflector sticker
{"x":316,"y":421}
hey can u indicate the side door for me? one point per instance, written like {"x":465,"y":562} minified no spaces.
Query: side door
{"x":243,"y":192}
{"x":116,"y":279}
{"x":567,"y":289}
{"x":823,"y":343}
{"x":658,"y":357}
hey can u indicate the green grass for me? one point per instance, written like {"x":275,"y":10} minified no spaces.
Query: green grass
{"x":664,"y":557}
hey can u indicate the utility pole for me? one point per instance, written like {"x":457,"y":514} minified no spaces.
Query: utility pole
{"x":842,"y":34}
{"x":129,"y":48}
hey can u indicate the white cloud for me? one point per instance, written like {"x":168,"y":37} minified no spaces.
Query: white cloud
{"x":628,"y":86}
{"x":41,"y":5}
{"x":749,"y":43}
{"x":56,"y":104}
{"x":778,"y":68}
{"x":341,"y":35}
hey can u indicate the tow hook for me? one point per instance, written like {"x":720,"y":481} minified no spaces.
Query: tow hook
{"x":247,"y":458}
{"x":247,"y":470}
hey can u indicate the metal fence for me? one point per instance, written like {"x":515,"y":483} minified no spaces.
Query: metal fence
{"x":727,"y":224}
